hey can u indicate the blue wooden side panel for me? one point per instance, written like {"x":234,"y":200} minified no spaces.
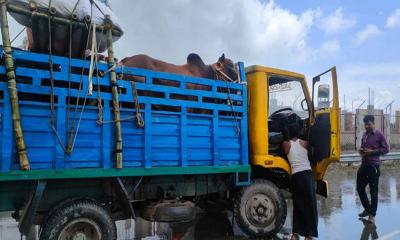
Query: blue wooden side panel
{"x":7,"y":140}
{"x":183,"y":127}
{"x":39,"y":139}
{"x":87,"y":150}
{"x":133,"y":142}
{"x":229,"y":142}
{"x":165,"y":137}
{"x":199,"y":141}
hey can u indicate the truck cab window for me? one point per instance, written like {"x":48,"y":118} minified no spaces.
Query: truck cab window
{"x":284,"y":107}
{"x":286,"y":93}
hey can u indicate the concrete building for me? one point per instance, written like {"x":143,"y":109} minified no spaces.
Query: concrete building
{"x":348,"y":122}
{"x":347,"y":134}
{"x":395,"y":134}
{"x":352,"y":128}
{"x":397,"y":122}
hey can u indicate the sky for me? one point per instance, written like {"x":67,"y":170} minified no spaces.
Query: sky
{"x":360,"y":38}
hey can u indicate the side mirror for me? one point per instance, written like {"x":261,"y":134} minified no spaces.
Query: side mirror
{"x":323,"y":96}
{"x":304,"y":105}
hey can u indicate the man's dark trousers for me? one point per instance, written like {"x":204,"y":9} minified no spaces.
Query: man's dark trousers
{"x":368,"y":174}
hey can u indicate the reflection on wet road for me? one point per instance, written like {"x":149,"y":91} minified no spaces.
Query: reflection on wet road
{"x":337,"y":216}
{"x":338,"y":213}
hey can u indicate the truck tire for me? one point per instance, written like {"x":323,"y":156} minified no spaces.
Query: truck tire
{"x":260,"y":209}
{"x":81,"y":219}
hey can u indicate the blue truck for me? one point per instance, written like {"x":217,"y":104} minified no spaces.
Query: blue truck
{"x":179,"y":149}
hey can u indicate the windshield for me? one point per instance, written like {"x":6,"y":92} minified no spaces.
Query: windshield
{"x":286,"y":93}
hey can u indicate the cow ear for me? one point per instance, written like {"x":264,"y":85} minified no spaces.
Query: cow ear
{"x":222,"y":58}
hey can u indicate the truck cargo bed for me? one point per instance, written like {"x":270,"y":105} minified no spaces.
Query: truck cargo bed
{"x":186,"y":131}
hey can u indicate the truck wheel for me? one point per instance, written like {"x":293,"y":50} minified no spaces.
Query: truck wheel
{"x":260,"y":209}
{"x":82,"y":219}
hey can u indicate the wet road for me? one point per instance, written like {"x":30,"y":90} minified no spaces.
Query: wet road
{"x":337,"y":215}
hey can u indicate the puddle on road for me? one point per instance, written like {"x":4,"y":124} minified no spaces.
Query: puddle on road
{"x":338,"y":213}
{"x":337,"y":216}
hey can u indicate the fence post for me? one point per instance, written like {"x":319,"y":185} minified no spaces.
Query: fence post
{"x":355,"y":132}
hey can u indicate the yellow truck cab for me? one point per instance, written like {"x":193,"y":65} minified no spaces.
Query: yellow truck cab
{"x":276,"y":95}
{"x":276,"y":99}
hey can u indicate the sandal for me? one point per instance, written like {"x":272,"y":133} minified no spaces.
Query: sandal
{"x":295,"y":236}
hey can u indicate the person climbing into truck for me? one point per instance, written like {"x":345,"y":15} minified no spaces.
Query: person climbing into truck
{"x":373,"y":144}
{"x":305,"y":215}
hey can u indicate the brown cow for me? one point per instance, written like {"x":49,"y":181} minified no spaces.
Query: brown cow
{"x":224,"y":69}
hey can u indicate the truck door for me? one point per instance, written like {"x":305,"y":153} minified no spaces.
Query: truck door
{"x":324,"y":133}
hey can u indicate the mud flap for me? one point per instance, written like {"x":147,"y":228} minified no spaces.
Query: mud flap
{"x":322,"y":188}
{"x":25,"y":222}
{"x":124,"y":198}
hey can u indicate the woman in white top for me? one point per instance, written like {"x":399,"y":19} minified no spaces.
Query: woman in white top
{"x":305,"y":215}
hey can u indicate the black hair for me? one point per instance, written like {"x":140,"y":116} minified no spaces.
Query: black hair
{"x":294,"y":130}
{"x":369,"y":118}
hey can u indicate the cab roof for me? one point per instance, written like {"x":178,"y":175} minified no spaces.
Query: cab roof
{"x":258,"y":68}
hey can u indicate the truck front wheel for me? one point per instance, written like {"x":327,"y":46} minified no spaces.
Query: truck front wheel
{"x":81,"y":219}
{"x":260,"y":209}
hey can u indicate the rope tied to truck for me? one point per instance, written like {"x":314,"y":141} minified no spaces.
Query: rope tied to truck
{"x":220,"y":75}
{"x":51,"y":73}
{"x":230,"y":103}
{"x":102,"y":74}
{"x":218,"y":69}
{"x":74,"y":128}
{"x":15,"y":38}
{"x":92,"y":58}
{"x":138,"y":115}
{"x":139,"y":118}
{"x":98,"y":97}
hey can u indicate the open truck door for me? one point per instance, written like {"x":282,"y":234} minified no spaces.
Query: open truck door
{"x":324,"y":133}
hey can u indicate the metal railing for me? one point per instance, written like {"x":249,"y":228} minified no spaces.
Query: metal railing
{"x":355,"y":157}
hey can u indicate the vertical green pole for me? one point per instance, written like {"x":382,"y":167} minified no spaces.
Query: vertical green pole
{"x":12,"y":88}
{"x":114,"y":88}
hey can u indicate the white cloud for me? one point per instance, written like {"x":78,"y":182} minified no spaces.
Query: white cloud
{"x":330,"y":48}
{"x":394,"y":20}
{"x":371,"y":72}
{"x":368,"y":32}
{"x":254,"y":31}
{"x":336,"y":22}
{"x":381,"y":78}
